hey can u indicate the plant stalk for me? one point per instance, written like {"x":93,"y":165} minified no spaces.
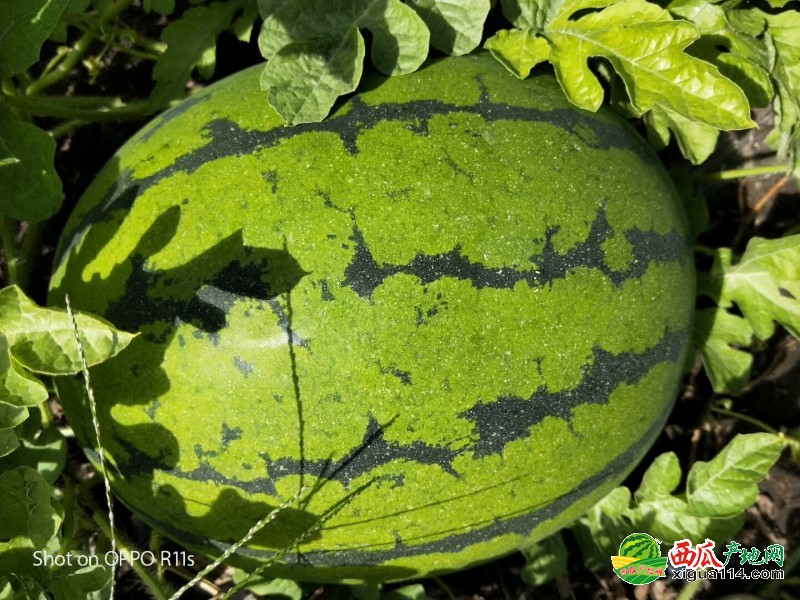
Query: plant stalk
{"x":8,"y":233}
{"x":78,"y":51}
{"x":749,"y":172}
{"x":84,"y":108}
{"x":122,"y":546}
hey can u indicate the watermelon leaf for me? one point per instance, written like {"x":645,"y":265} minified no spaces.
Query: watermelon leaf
{"x":696,"y":140}
{"x":45,"y":451}
{"x":191,"y":42}
{"x":456,"y":26}
{"x":320,"y":59}
{"x":27,"y":518}
{"x":764,"y":283}
{"x":31,"y":187}
{"x":545,"y":560}
{"x":71,"y":581}
{"x":720,"y":336}
{"x":783,"y":39}
{"x":24,"y":27}
{"x":569,"y":33}
{"x":268,"y":586}
{"x":607,"y":522}
{"x":727,"y":484}
{"x":42,"y":339}
{"x":717,"y":495}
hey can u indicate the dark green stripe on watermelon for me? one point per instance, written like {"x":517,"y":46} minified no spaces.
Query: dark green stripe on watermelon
{"x":457,"y":310}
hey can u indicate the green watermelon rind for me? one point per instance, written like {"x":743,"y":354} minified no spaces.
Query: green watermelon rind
{"x":196,"y":472}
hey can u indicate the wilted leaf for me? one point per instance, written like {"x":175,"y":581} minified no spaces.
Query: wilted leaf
{"x":30,"y":184}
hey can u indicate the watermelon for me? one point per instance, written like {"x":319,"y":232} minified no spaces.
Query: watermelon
{"x":640,"y":545}
{"x":455,"y":312}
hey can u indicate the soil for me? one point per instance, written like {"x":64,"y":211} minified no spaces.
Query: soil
{"x":738,"y":210}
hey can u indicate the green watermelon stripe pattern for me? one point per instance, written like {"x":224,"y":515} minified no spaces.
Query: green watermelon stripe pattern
{"x":639,"y":545}
{"x":457,"y":310}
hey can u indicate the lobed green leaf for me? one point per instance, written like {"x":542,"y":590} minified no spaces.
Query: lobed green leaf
{"x":647,"y":49}
{"x":726,"y":485}
{"x":322,"y":58}
{"x":764,"y":283}
{"x":191,"y":42}
{"x":721,"y":337}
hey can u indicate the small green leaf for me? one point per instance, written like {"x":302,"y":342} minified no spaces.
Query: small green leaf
{"x":8,"y":442}
{"x":365,"y":591}
{"x":456,"y":26}
{"x":42,"y":339}
{"x":304,"y":78}
{"x":71,"y":582}
{"x":415,"y":591}
{"x":696,"y":140}
{"x":669,"y":518}
{"x":545,"y":560}
{"x":27,"y":518}
{"x":661,"y":478}
{"x":46,"y":453}
{"x":30,"y":184}
{"x":320,"y":49}
{"x":764,"y":283}
{"x":162,"y":7}
{"x":519,"y":50}
{"x":721,"y":337}
{"x":608,"y":521}
{"x":24,"y":27}
{"x":17,"y":387}
{"x":191,"y":42}
{"x":726,"y":485}
{"x":267,"y":586}
{"x":11,"y":416}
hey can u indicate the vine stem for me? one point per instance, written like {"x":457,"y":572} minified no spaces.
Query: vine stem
{"x":736,"y":415}
{"x":145,"y":575}
{"x":81,"y":108}
{"x":749,"y":172}
{"x":78,"y":51}
{"x":8,"y":233}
